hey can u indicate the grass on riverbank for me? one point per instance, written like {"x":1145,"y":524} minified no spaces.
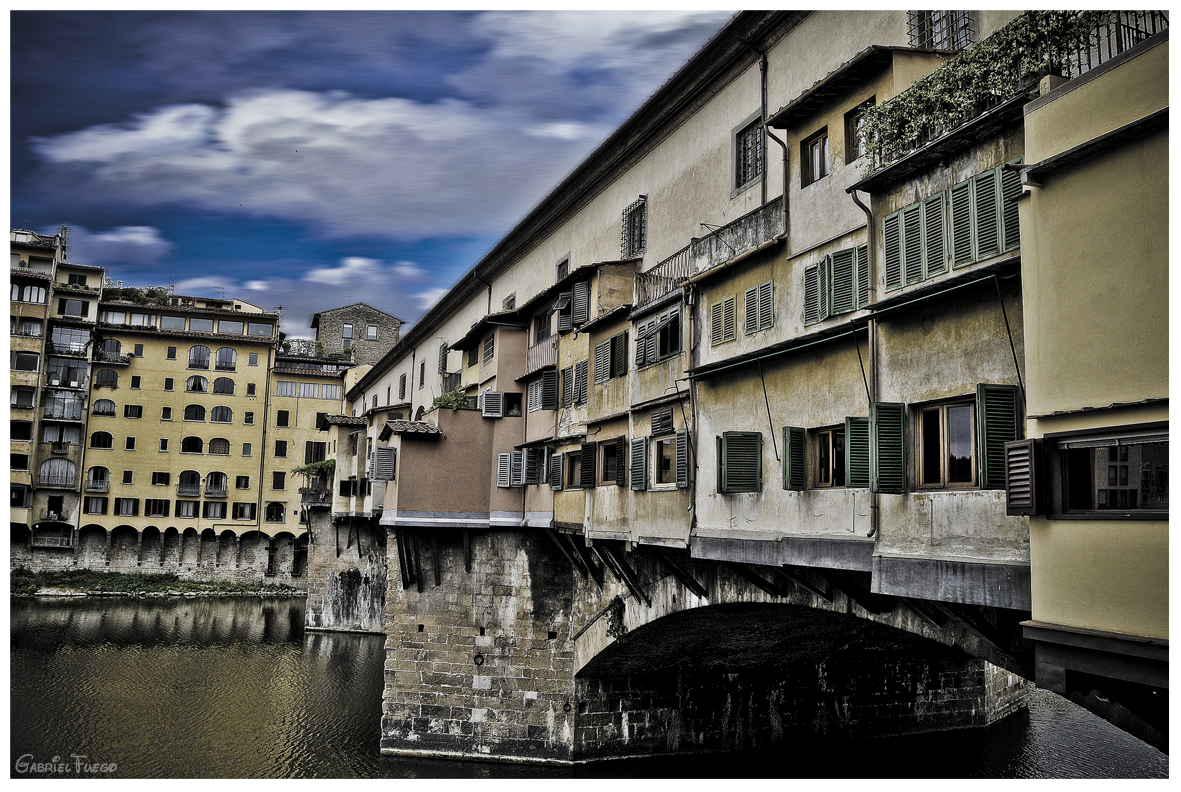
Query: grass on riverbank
{"x":25,"y":583}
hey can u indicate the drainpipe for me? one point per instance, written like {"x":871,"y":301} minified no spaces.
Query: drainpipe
{"x":412,"y":352}
{"x":771,"y":135}
{"x":875,"y":515}
{"x":763,"y":115}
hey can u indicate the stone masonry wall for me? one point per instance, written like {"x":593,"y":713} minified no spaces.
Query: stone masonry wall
{"x":346,"y":591}
{"x":481,"y":664}
{"x":360,"y":316}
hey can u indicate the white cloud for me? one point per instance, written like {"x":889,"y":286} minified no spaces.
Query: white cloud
{"x":563,"y":130}
{"x":408,"y":270}
{"x":427,"y":299}
{"x":122,"y":245}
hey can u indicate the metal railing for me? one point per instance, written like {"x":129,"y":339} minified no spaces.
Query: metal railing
{"x":216,"y":491}
{"x":188,"y":490}
{"x":95,"y":485}
{"x":62,"y":539}
{"x":56,"y":481}
{"x":63,"y":413}
{"x":59,"y":447}
{"x":102,"y":356}
{"x":542,"y":354}
{"x":316,"y":495}
{"x":73,"y":350}
{"x":72,"y":381}
{"x":665,"y":277}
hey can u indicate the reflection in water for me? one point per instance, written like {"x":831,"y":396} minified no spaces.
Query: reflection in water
{"x":232,"y":687}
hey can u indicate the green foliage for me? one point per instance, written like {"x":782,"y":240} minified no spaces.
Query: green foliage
{"x":151,"y":296}
{"x":317,"y":470}
{"x":455,"y":400}
{"x":303,"y":347}
{"x":24,"y":583}
{"x":996,"y":69}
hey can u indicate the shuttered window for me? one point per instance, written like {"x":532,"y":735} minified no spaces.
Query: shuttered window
{"x":998,"y":422}
{"x":984,"y":216}
{"x":611,"y":357}
{"x":934,"y":235}
{"x":534,"y":465}
{"x":549,"y":389}
{"x":516,"y":468}
{"x":816,"y":293}
{"x":568,"y":386}
{"x":602,"y":361}
{"x":682,"y":458}
{"x":740,"y":462}
{"x":555,"y":472}
{"x":385,"y":459}
{"x":848,"y":277}
{"x":961,"y":224}
{"x":723,"y":323}
{"x":662,"y":421}
{"x":492,"y":404}
{"x":986,"y":213}
{"x":794,"y":465}
{"x":760,"y":307}
{"x":892,"y":250}
{"x":534,"y":398}
{"x":856,"y":452}
{"x":586,"y":477}
{"x":502,"y":469}
{"x":562,"y":309}
{"x":887,"y":449}
{"x":1023,"y":495}
{"x":581,"y":372}
{"x":658,"y":338}
{"x":639,"y":463}
{"x":912,"y":244}
{"x":1010,"y":191}
{"x":580,"y":311}
{"x":615,"y":462}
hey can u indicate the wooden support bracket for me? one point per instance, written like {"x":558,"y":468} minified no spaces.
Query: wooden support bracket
{"x":570,"y":553}
{"x":756,"y":580}
{"x":417,"y":561}
{"x":435,"y":559}
{"x":584,"y":553}
{"x":852,"y":589}
{"x":629,"y":575}
{"x":931,"y":617}
{"x":799,"y":577}
{"x":467,"y":551}
{"x":681,"y":573}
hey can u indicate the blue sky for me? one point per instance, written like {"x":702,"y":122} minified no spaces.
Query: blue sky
{"x":314,"y":159}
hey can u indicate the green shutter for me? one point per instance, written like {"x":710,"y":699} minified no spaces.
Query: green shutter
{"x":844,"y":281}
{"x":934,"y":236}
{"x":1010,"y":191}
{"x":863,"y":276}
{"x":766,"y":305}
{"x":997,"y":423}
{"x":892,"y":250}
{"x":741,"y":462}
{"x":580,"y":311}
{"x":794,"y":477}
{"x":856,"y":452}
{"x":681,"y":450}
{"x":887,"y":447}
{"x":811,"y":294}
{"x":961,"y":224}
{"x":715,"y":324}
{"x":619,"y":355}
{"x":602,"y":361}
{"x":912,"y":243}
{"x":986,"y":214}
{"x":589,"y":458}
{"x":621,"y":460}
{"x":752,"y":310}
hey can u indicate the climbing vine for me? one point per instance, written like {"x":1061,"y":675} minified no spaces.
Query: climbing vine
{"x":996,"y":69}
{"x":615,"y":626}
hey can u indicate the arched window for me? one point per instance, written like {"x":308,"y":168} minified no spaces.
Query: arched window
{"x":110,"y":349}
{"x":98,"y":479}
{"x":223,"y":385}
{"x":106,"y":378}
{"x":199,"y":357}
{"x":102,"y":440}
{"x":192,"y":445}
{"x":216,"y":484}
{"x":418,"y":415}
{"x":275,"y":512}
{"x":219,"y":446}
{"x":221,"y":415}
{"x":197,"y":384}
{"x":194,"y":412}
{"x":227,"y":359}
{"x":189,"y":483}
{"x":104,"y":407}
{"x":57,"y":473}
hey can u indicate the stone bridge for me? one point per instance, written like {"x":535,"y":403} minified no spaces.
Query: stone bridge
{"x":541,"y":645}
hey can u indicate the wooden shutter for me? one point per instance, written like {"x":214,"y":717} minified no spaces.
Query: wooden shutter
{"x":621,"y":461}
{"x":997,"y":423}
{"x":650,"y":351}
{"x":766,"y":304}
{"x":639,"y":463}
{"x":715,"y":323}
{"x":555,"y":472}
{"x":580,"y":310}
{"x":844,"y":281}
{"x":730,"y":318}
{"x":619,"y":355}
{"x":887,"y":447}
{"x":534,"y":395}
{"x":586,"y":475}
{"x":751,"y":319}
{"x":562,"y":306}
{"x":502,"y":469}
{"x":581,"y":384}
{"x":516,"y":468}
{"x":934,"y":236}
{"x":986,"y":193}
{"x":662,"y":421}
{"x":533,"y":460}
{"x":1010,"y":216}
{"x":741,"y":462}
{"x":811,"y":294}
{"x":856,"y":452}
{"x":892,"y":250}
{"x":549,"y":389}
{"x":912,"y":243}
{"x":492,"y":404}
{"x":641,"y":342}
{"x":681,"y":451}
{"x":602,"y":361}
{"x":1023,"y":477}
{"x":863,"y":276}
{"x":309,"y":452}
{"x":794,"y":476}
{"x":385,"y":459}
{"x":567,"y":386}
{"x":961,"y":224}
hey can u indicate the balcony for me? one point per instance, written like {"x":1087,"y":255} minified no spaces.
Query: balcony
{"x":71,"y":381}
{"x":49,"y":514}
{"x":59,"y":448}
{"x":102,"y":356}
{"x":54,"y":538}
{"x":312,"y":496}
{"x":543,"y":353}
{"x":216,"y":490}
{"x":58,"y":413}
{"x":95,"y":485}
{"x":665,"y":277}
{"x":190,"y":490}
{"x":65,"y":348}
{"x":57,"y":482}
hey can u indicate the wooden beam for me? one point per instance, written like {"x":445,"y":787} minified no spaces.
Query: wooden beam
{"x":417,"y":561}
{"x":467,"y":551}
{"x":435,"y":553}
{"x":681,"y":573}
{"x":756,"y":580}
{"x":584,"y":553}
{"x":798,"y":576}
{"x":852,"y":589}
{"x":569,"y":552}
{"x":929,"y":616}
{"x":403,"y":560}
{"x":629,"y":574}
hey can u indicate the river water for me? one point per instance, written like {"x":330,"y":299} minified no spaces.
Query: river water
{"x":233,"y":687}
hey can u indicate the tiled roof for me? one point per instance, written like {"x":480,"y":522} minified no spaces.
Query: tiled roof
{"x":412,"y":427}
{"x":345,"y":420}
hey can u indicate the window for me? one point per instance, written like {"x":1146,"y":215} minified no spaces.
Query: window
{"x":314,"y":452}
{"x":95,"y":504}
{"x":489,"y":347}
{"x":259,"y":329}
{"x":194,"y":412}
{"x":161,"y":478}
{"x":223,"y":385}
{"x":285,"y":388}
{"x":281,"y":448}
{"x":171,"y":353}
{"x":946,"y":437}
{"x":282,"y":418}
{"x":614,"y":468}
{"x":611,"y":357}
{"x":18,"y":461}
{"x":275,"y":513}
{"x":23,"y":397}
{"x":249,"y":389}
{"x":213,"y":510}
{"x":573,"y":307}
{"x":54,"y":433}
{"x":855,"y":144}
{"x":542,"y":326}
{"x":221,"y":414}
{"x":29,"y":294}
{"x":307,"y":390}
{"x":402,"y":387}
{"x":248,"y":418}
{"x":130,"y":444}
{"x":662,"y":457}
{"x":421,"y":375}
{"x":192,"y":445}
{"x":25,"y":361}
{"x":163,"y":444}
{"x":139,"y":350}
{"x":166,"y":414}
{"x":814,"y":158}
{"x":723,"y":322}
{"x":253,"y":359}
{"x":836,"y":284}
{"x":69,"y":339}
{"x":246,"y":449}
{"x":229,"y":326}
{"x":658,"y":338}
{"x":186,"y":508}
{"x":573,"y":469}
{"x":346,"y":331}
{"x":217,"y":484}
{"x":189,"y":483}
{"x":748,"y":153}
{"x":201,"y":325}
{"x":371,"y":333}
{"x":102,"y":440}
{"x":939,"y":30}
{"x":543,"y":392}
{"x":18,"y":495}
{"x":57,"y":473}
{"x":26,"y":327}
{"x":141,"y":320}
{"x":760,"y":307}
{"x":634,"y":235}
{"x":168,"y":383}
{"x":278,"y":480}
{"x":242,"y":482}
{"x":740,"y":462}
{"x":133,"y":411}
{"x":334,"y":392}
{"x":578,"y":383}
{"x":197,"y":384}
{"x":128,"y":476}
{"x":135,"y":379}
{"x":127,"y":507}
{"x":75,"y":279}
{"x":156,"y":507}
{"x":219,"y":446}
{"x":66,"y":307}
{"x":199,"y":357}
{"x":226,"y":360}
{"x":20,"y":430}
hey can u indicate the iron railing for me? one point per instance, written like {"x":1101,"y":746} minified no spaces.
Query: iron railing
{"x":67,"y":413}
{"x":95,"y":485}
{"x":56,"y":481}
{"x":665,"y":277}
{"x":64,"y":538}
{"x":216,"y":490}
{"x":543,"y":353}
{"x":188,"y":490}
{"x":102,"y":356}
{"x":59,"y":448}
